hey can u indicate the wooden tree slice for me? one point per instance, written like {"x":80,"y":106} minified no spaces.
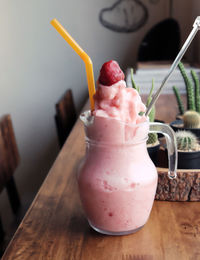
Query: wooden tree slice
{"x":186,"y":187}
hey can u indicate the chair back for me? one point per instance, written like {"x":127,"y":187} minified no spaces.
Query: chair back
{"x":65,"y":116}
{"x":9,"y":154}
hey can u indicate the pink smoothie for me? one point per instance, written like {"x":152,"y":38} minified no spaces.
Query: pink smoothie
{"x":117,"y":180}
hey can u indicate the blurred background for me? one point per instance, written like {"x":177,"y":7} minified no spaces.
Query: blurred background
{"x":37,"y":66}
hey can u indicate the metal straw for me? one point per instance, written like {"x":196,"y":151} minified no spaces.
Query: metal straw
{"x":196,"y":27}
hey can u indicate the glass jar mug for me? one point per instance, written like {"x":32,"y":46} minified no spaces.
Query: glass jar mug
{"x":117,"y":179}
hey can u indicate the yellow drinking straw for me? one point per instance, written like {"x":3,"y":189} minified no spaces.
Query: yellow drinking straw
{"x":84,"y":57}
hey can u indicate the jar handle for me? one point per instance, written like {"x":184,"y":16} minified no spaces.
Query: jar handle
{"x":168,"y":132}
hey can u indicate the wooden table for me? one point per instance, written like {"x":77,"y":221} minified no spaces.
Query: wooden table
{"x":55,"y":227}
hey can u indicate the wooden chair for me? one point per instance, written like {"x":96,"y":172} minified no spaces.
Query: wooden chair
{"x":9,"y":160}
{"x":65,"y":116}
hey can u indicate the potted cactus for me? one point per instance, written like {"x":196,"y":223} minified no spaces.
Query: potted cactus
{"x":188,"y":150}
{"x":153,"y":144}
{"x":189,"y":118}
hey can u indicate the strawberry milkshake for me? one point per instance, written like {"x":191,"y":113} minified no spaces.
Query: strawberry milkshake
{"x":117,"y":180}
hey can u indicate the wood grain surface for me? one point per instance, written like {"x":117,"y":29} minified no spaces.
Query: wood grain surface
{"x":55,"y":227}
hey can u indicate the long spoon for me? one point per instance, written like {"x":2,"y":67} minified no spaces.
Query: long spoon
{"x":196,"y":27}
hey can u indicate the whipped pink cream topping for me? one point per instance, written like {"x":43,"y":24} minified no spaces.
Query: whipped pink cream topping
{"x":119,"y":102}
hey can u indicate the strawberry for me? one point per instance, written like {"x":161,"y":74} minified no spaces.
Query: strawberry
{"x":110,"y":73}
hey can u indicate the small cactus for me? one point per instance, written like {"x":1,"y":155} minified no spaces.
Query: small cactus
{"x":197,"y":90}
{"x":191,"y":119}
{"x":149,"y":98}
{"x":133,"y":82}
{"x":152,"y":138}
{"x":179,"y":101}
{"x":192,"y":90}
{"x":189,"y":88}
{"x":186,"y":140}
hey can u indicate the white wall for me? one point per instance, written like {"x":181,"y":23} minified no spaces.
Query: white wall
{"x":37,"y":66}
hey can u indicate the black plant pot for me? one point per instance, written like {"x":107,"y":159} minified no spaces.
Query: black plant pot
{"x":186,"y":160}
{"x":159,"y":121}
{"x":153,"y":153}
{"x":189,"y":160}
{"x":179,"y":117}
{"x":178,"y":125}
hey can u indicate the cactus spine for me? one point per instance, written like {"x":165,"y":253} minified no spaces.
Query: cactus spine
{"x":191,"y":119}
{"x":197,"y":90}
{"x":179,"y":101}
{"x":189,"y":88}
{"x":186,"y":140}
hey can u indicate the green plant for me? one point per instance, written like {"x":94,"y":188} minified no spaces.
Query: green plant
{"x":197,"y":90}
{"x":133,"y":82}
{"x":191,"y":119}
{"x":149,"y":98}
{"x":179,"y":101}
{"x":189,"y":88}
{"x":192,"y":91}
{"x":186,"y":140}
{"x":152,"y":137}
